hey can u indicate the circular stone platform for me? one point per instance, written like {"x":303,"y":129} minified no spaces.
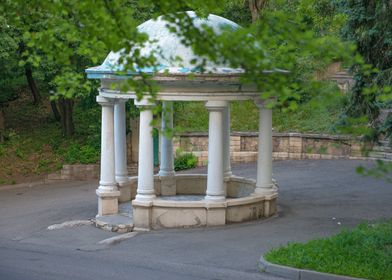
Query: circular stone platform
{"x":181,"y":202}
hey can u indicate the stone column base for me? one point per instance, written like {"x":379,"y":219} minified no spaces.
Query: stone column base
{"x":125,"y":191}
{"x":168,"y":185}
{"x":142,"y":215}
{"x":107,"y":202}
{"x":270,"y":206}
{"x":216,"y":214}
{"x":133,"y":186}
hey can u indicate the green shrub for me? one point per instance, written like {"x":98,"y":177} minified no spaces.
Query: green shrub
{"x":84,"y":154}
{"x":184,"y":161}
{"x":363,"y":252}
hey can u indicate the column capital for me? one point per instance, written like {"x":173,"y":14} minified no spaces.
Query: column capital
{"x":260,"y":103}
{"x":216,"y":105}
{"x":103,"y":101}
{"x":145,"y":102}
{"x":120,"y":100}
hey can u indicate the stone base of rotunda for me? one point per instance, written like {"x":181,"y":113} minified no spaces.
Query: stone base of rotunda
{"x":107,"y":202}
{"x":180,"y":203}
{"x":125,"y":189}
{"x":182,"y":212}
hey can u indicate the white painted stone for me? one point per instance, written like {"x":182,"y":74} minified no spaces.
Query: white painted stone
{"x":117,"y":239}
{"x":145,"y":187}
{"x":167,"y":155}
{"x":107,"y":191}
{"x":264,"y":182}
{"x":226,"y":142}
{"x":120,"y":148}
{"x":70,"y":224}
{"x":215,"y":185}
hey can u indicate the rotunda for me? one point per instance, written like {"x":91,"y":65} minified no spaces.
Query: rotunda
{"x":167,"y":199}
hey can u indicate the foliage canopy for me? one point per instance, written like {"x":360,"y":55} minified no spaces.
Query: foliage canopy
{"x":83,"y":32}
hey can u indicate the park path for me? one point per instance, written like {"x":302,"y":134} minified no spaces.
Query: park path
{"x":317,"y":198}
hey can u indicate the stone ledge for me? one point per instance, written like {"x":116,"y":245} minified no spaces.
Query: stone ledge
{"x":115,"y":223}
{"x":298,"y":274}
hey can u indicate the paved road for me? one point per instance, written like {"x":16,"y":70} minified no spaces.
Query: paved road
{"x":314,"y":197}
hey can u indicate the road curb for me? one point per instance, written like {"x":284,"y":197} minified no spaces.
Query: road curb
{"x":298,"y":274}
{"x":117,"y":239}
{"x":22,"y":185}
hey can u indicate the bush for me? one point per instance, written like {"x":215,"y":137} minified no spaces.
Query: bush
{"x":84,"y":154}
{"x":184,"y":161}
{"x":363,"y":252}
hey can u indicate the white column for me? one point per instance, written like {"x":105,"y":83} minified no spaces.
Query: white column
{"x":215,"y":185}
{"x":107,"y":191}
{"x":226,"y":142}
{"x":145,"y":186}
{"x":264,"y":182}
{"x":167,"y":157}
{"x":120,"y":147}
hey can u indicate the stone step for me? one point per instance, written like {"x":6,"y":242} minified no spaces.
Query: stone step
{"x":384,"y":149}
{"x":380,"y":155}
{"x":53,"y":176}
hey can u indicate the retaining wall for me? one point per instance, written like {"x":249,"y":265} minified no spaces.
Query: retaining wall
{"x":243,"y":148}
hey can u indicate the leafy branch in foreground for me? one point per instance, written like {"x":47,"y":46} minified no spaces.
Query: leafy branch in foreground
{"x":382,"y":170}
{"x":83,"y":32}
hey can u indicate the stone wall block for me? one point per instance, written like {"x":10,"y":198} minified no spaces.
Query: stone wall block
{"x":295,"y":145}
{"x":249,"y":143}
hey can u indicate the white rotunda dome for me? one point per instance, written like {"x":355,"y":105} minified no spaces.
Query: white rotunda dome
{"x":167,"y":47}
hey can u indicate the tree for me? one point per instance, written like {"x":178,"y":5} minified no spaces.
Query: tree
{"x":21,"y":53}
{"x":9,"y":71}
{"x":368,"y":25}
{"x":255,"y":7}
{"x":79,"y":34}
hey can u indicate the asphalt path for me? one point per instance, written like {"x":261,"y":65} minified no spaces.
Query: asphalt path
{"x":317,"y":198}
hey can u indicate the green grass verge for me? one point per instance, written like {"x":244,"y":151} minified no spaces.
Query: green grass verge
{"x":318,"y":116}
{"x":365,"y":252}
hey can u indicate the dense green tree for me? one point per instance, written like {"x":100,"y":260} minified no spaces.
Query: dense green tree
{"x":369,"y":26}
{"x":79,"y":34}
{"x":10,"y":74}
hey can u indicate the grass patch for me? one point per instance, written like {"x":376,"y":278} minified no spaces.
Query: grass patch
{"x":365,"y":252}
{"x":317,"y":116}
{"x":34,"y":143}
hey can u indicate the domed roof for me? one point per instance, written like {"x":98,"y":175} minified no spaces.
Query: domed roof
{"x":167,"y":47}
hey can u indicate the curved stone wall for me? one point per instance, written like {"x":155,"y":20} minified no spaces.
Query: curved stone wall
{"x":187,"y":207}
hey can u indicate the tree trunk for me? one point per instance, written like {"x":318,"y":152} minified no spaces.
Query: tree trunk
{"x":55,"y":110}
{"x":66,"y":111}
{"x":2,"y":123}
{"x":70,"y":127}
{"x":32,"y":84}
{"x":255,"y":7}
